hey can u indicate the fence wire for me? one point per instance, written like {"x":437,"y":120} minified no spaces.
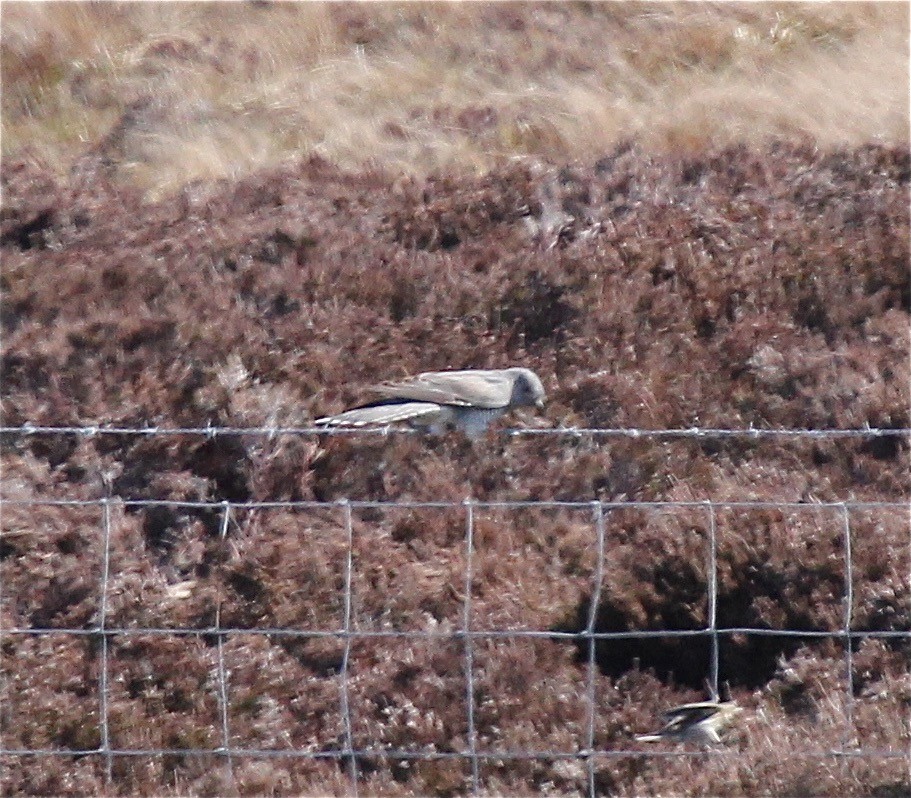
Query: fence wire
{"x":89,"y":431}
{"x":222,"y":674}
{"x":350,"y":755}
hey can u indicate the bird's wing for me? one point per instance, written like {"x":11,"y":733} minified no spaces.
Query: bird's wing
{"x":378,"y":415}
{"x":689,"y":714}
{"x":482,"y":389}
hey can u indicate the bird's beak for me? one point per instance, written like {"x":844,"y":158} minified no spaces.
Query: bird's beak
{"x":540,"y":403}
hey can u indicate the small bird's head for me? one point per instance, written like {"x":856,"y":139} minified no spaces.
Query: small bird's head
{"x":527,"y":389}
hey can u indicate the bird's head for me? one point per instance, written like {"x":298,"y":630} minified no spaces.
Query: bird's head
{"x":527,"y":389}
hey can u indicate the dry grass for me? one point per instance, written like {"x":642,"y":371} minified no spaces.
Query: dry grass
{"x":171,"y":92}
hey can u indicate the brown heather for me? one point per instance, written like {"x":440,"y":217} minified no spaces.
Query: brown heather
{"x":678,"y":222}
{"x":744,"y":287}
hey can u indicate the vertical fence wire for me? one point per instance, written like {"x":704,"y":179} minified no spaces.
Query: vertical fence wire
{"x":598,"y":508}
{"x":222,"y":673}
{"x":3,"y":676}
{"x":849,"y":656}
{"x":3,"y":684}
{"x":713,"y":600}
{"x":469,"y":653}
{"x":908,"y":747}
{"x":105,"y":748}
{"x":348,"y":752}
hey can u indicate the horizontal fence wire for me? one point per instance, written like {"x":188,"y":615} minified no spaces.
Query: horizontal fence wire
{"x":541,"y":504}
{"x":373,"y":753}
{"x":347,"y":754}
{"x":579,"y":432}
{"x":404,"y":634}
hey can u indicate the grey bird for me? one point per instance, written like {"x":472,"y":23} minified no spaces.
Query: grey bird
{"x":440,"y":400}
{"x":701,"y":723}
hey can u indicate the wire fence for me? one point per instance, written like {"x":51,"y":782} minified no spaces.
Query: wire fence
{"x":349,"y":754}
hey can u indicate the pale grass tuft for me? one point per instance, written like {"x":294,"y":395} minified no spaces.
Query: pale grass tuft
{"x":416,"y":88}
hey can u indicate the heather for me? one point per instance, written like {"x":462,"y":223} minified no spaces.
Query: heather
{"x":762,"y":287}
